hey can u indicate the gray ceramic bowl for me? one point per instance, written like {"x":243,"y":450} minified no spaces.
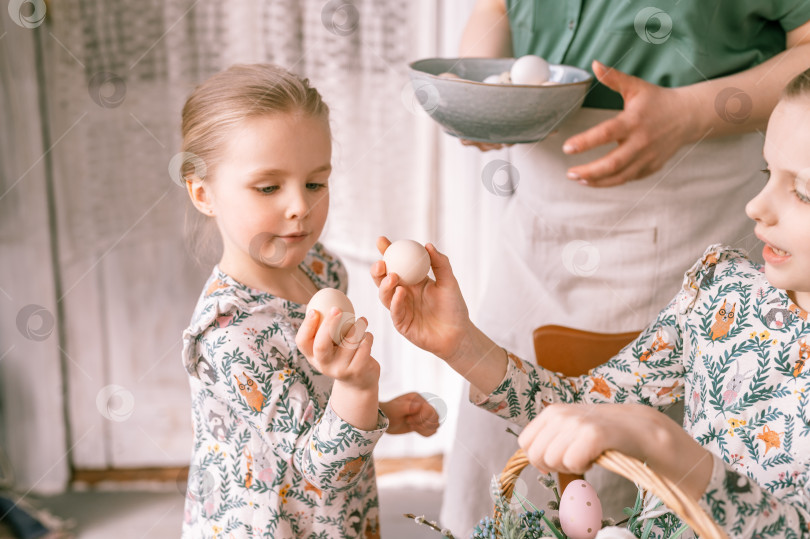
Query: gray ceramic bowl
{"x":499,"y":113}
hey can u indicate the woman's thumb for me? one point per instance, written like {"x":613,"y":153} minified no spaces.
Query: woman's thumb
{"x":614,"y":79}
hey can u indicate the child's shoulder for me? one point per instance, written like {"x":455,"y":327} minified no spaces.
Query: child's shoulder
{"x":719,"y":255}
{"x":326,"y":267}
{"x":719,"y":264}
{"x":225,"y":302}
{"x":227,"y":309}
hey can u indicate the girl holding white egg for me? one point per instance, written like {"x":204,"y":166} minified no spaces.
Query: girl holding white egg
{"x":742,"y":451}
{"x":669,"y":127}
{"x":284,"y":405}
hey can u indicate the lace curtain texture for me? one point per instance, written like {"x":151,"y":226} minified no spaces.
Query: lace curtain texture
{"x":115,"y":77}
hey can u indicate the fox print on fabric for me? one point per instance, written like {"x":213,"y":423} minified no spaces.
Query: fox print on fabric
{"x":251,"y":392}
{"x":659,"y":345}
{"x":723,"y":321}
{"x":352,"y":468}
{"x":804,"y":355}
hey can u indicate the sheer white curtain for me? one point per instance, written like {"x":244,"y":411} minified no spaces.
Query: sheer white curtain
{"x":31,"y":399}
{"x":114,"y":77}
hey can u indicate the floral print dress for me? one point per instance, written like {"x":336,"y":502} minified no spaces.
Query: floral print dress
{"x":270,"y":456}
{"x":734,"y":347}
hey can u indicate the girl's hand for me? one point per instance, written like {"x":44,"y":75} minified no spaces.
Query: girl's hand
{"x":655,"y":123}
{"x":431,"y":314}
{"x":347,"y":359}
{"x":410,"y":413}
{"x":569,"y":438}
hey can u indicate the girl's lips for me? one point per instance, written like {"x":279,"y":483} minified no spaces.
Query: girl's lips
{"x":294,"y":237}
{"x":772,"y":255}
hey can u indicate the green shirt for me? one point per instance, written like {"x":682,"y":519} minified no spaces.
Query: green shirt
{"x":667,"y":42}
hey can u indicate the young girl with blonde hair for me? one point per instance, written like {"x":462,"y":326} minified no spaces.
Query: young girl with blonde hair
{"x":733,"y":344}
{"x":285,"y":418}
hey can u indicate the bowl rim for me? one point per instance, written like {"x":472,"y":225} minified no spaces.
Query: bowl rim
{"x":587,"y":81}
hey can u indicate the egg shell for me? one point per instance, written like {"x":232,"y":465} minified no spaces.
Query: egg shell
{"x":615,"y":532}
{"x":324,"y":299}
{"x":493,"y":79}
{"x":529,"y":69}
{"x":448,"y":75}
{"x":408,"y":259}
{"x":580,"y":510}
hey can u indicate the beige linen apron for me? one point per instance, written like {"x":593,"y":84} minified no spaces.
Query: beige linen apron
{"x":606,"y":259}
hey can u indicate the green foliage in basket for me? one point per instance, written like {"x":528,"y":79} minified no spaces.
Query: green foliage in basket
{"x":648,"y":510}
{"x":533,"y":523}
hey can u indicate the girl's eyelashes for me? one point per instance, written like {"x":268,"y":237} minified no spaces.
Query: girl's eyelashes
{"x":270,"y":189}
{"x":800,"y":184}
{"x":800,"y":187}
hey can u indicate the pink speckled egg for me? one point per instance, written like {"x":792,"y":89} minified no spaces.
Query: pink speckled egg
{"x":580,"y":510}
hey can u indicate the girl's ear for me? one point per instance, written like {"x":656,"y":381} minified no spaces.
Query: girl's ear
{"x":200,"y":195}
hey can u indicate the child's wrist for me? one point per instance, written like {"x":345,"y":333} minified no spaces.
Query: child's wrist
{"x":357,"y":407}
{"x":360,"y":391}
{"x":467,"y":346}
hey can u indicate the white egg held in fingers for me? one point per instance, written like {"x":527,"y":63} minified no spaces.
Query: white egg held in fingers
{"x":408,"y":259}
{"x":530,"y":69}
{"x":324,"y":299}
{"x":580,"y":510}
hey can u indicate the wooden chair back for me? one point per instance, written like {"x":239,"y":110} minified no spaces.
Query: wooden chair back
{"x":573,"y":352}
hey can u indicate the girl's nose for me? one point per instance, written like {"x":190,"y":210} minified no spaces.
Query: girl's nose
{"x":762,"y":208}
{"x":297,"y":204}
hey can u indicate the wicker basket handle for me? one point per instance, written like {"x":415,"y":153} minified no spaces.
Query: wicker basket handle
{"x":633,"y":469}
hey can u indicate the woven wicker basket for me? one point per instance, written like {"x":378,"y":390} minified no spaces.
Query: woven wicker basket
{"x":670,"y":494}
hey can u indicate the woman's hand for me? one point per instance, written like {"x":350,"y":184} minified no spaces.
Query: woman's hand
{"x":655,"y":123}
{"x":346,"y":358}
{"x":569,"y":438}
{"x":410,"y":413}
{"x":483,"y":146}
{"x":431,"y":314}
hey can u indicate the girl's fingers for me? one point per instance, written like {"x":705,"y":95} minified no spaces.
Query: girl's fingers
{"x":441,"y":266}
{"x":323,"y":346}
{"x":357,"y":361}
{"x":398,"y":306}
{"x":428,"y":420}
{"x":382,"y":244}
{"x":531,"y":430}
{"x":352,"y":337}
{"x":536,"y":453}
{"x":533,"y":440}
{"x":351,"y":362}
{"x":387,"y":287}
{"x":555,"y":449}
{"x":378,"y":272}
{"x":306,"y":333}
